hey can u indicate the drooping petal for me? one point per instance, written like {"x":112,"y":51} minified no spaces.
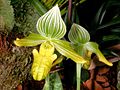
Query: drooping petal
{"x":64,"y":48}
{"x":93,"y":47}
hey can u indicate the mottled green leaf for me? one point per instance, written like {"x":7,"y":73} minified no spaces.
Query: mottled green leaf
{"x":78,"y":34}
{"x":93,"y":47}
{"x":47,"y":85}
{"x":51,"y":24}
{"x":64,"y":48}
{"x":57,"y":82}
{"x":53,"y":82}
{"x":32,"y":40}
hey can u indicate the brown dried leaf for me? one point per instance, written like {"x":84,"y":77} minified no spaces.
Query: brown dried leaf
{"x":89,"y":85}
{"x":97,"y":86}
{"x":108,"y":88}
{"x":101,"y":79}
{"x":19,"y":87}
{"x":105,"y":85}
{"x":115,"y":47}
{"x":103,"y":70}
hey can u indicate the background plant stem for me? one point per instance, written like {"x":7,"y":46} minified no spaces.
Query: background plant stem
{"x":78,"y":67}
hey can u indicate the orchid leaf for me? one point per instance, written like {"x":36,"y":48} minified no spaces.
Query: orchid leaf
{"x":43,"y":61}
{"x":53,"y":82}
{"x":32,"y":40}
{"x":93,"y":47}
{"x":64,"y":48}
{"x":78,"y":34}
{"x":47,"y":83}
{"x":51,"y":25}
{"x":57,"y":82}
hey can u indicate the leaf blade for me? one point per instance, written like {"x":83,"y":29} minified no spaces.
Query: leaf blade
{"x":53,"y":82}
{"x":41,"y":9}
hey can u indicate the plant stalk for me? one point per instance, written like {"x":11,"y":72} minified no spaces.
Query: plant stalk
{"x":69,"y":11}
{"x":78,"y":68}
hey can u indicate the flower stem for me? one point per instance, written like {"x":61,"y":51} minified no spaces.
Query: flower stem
{"x":78,"y":68}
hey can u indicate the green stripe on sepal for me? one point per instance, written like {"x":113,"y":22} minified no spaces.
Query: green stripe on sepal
{"x":32,"y":40}
{"x":51,"y":24}
{"x":78,"y":34}
{"x":64,"y":48}
{"x":93,"y":47}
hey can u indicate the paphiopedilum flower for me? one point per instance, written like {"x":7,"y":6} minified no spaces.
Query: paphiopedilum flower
{"x":80,"y":40}
{"x":51,"y":28}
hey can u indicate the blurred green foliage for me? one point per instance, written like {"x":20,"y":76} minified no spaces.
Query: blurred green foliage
{"x":6,"y":16}
{"x":25,"y":16}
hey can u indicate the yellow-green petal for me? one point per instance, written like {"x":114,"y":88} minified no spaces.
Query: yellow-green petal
{"x":32,"y":40}
{"x":64,"y":48}
{"x":93,"y":47}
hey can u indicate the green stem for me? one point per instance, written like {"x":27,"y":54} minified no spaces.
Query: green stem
{"x":78,"y":68}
